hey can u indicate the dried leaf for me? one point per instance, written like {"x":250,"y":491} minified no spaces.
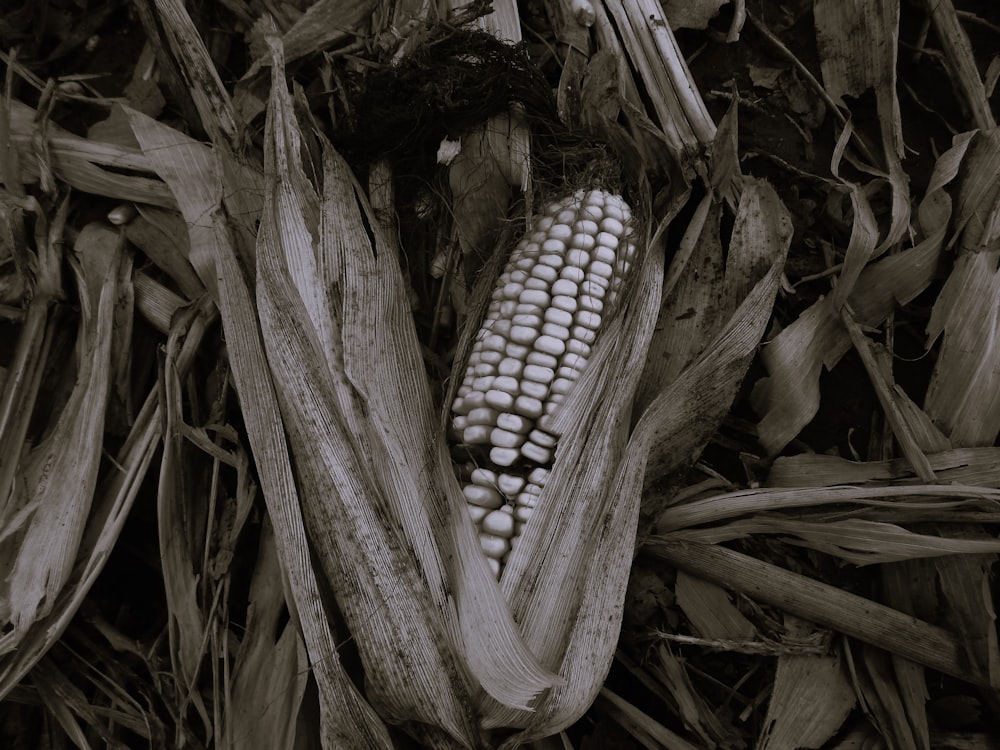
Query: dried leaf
{"x":710,"y":610}
{"x":60,"y":474}
{"x":823,"y":604}
{"x":963,"y":398}
{"x":811,"y":698}
{"x":262,"y":714}
{"x":856,"y":540}
{"x":683,"y":14}
{"x":78,"y":161}
{"x":969,"y":466}
{"x":787,"y":399}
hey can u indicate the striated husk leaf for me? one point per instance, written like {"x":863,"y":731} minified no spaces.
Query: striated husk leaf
{"x":198,"y":180}
{"x":382,"y":509}
{"x":684,"y":414}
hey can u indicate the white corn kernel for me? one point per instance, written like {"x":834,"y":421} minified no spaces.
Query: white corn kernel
{"x":585,"y":335}
{"x":518,"y":351}
{"x":554,"y":246}
{"x":573,"y":273}
{"x":499,"y":523}
{"x":550,"y":345}
{"x":510,"y":484}
{"x":583,"y":242}
{"x":499,"y":400}
{"x":537,"y":284}
{"x":535,"y":297}
{"x":537,"y":453}
{"x":543,"y":438}
{"x":546,"y":274}
{"x":483,"y":477}
{"x":529,"y":406}
{"x":484,"y":497}
{"x":587,"y":319}
{"x":608,"y":239}
{"x":494,"y":546}
{"x":538,"y":374}
{"x":557,"y":316}
{"x":513,"y":423}
{"x":504,"y":456}
{"x":501,"y":438}
{"x":522,"y":513}
{"x":542,"y":359}
{"x":509,"y":366}
{"x":564,"y":302}
{"x":538,"y":477}
{"x":533,"y":389}
{"x":555,"y":331}
{"x":483,"y":415}
{"x":600,"y":269}
{"x":477,"y":434}
{"x":604,"y":254}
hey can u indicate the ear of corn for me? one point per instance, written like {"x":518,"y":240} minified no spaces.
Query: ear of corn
{"x":547,"y":308}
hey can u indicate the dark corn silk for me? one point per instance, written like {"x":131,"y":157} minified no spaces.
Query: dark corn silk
{"x":541,"y":325}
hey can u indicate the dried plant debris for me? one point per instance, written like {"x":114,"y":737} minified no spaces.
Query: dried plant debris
{"x":577,"y":374}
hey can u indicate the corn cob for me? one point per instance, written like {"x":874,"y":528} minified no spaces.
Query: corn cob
{"x":543,"y":319}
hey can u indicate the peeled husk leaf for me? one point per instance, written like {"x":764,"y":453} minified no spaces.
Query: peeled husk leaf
{"x":381,"y":504}
{"x":566,"y":578}
{"x":200,"y":177}
{"x":683,"y":415}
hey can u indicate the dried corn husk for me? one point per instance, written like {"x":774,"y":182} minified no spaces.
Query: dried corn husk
{"x":382,"y":507}
{"x":200,"y":180}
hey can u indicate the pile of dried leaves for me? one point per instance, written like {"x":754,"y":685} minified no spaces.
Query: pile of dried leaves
{"x":243,"y":248}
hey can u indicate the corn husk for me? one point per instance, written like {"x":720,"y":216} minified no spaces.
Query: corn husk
{"x":352,"y":406}
{"x":200,"y":179}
